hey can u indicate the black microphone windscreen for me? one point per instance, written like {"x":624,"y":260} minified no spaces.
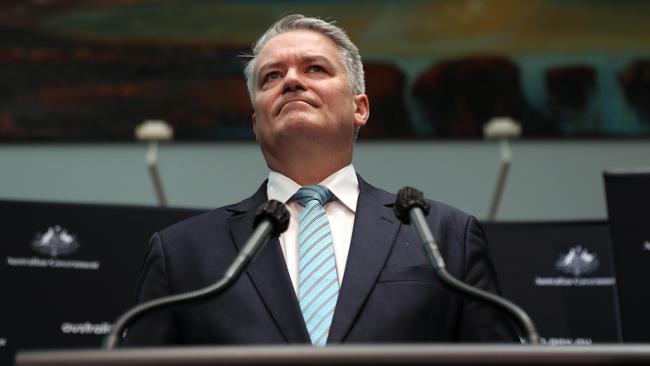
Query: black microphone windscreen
{"x":407,"y":198}
{"x":275,"y":211}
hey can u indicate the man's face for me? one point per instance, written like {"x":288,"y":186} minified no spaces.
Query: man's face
{"x":302,"y":95}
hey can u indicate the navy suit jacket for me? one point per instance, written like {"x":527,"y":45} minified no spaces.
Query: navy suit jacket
{"x":389,"y":292}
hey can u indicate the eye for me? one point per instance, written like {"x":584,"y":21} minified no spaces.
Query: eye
{"x":316,"y":68}
{"x":271,"y":76}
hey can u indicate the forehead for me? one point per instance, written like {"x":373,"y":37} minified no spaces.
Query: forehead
{"x":298,"y":44}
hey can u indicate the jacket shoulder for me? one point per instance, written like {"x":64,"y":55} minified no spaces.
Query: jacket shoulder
{"x":211,"y":217}
{"x":216,"y":219}
{"x":438,"y":211}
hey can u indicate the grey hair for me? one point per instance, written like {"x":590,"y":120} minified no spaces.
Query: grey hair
{"x":349,"y":52}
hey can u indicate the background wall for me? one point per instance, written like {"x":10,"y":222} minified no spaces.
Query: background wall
{"x":80,"y":70}
{"x":549,"y":180}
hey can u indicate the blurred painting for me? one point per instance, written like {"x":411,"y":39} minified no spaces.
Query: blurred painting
{"x":92,"y":70}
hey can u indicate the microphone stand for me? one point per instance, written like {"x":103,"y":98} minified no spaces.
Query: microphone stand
{"x":152,"y":166}
{"x":410,"y":208}
{"x":504,"y":168}
{"x":272,"y":218}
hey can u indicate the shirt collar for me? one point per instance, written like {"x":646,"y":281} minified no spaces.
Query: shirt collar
{"x":343,"y":184}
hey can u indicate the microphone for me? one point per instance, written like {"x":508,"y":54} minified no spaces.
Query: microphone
{"x":271,"y":219}
{"x":411,"y":208}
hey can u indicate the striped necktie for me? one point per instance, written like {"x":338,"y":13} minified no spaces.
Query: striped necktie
{"x":319,"y":285}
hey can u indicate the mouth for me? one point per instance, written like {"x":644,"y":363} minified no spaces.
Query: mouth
{"x":295,"y":102}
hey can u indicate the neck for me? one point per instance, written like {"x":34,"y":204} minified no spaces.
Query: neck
{"x":308,"y":160}
{"x":307,"y":171}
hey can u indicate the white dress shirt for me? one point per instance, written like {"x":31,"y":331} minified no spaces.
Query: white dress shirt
{"x":340,"y":213}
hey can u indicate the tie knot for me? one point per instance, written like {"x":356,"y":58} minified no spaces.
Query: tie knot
{"x":313,"y":192}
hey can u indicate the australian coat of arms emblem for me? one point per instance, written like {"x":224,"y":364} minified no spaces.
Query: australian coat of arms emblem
{"x":56,"y":241}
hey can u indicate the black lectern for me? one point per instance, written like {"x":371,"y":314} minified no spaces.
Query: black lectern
{"x":452,"y":354}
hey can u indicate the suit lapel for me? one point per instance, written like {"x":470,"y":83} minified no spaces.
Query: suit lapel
{"x":268,"y":272}
{"x":373,"y":236}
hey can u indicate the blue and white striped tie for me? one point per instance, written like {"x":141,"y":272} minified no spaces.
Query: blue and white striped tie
{"x":319,"y":285}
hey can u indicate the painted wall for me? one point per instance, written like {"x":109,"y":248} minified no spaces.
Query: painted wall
{"x":93,"y":70}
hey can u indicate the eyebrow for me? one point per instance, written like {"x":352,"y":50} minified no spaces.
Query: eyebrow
{"x":271,"y":65}
{"x":304,"y":60}
{"x":314,"y":58}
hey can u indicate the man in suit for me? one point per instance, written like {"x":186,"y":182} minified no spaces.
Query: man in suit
{"x":306,"y":84}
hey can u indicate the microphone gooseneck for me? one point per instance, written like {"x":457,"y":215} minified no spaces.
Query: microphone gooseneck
{"x":411,"y":208}
{"x":271,"y":219}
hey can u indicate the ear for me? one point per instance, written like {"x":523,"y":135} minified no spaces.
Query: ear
{"x":254,"y":120}
{"x":362,"y":110}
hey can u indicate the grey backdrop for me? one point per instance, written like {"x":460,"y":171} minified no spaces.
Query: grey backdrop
{"x":549,"y":180}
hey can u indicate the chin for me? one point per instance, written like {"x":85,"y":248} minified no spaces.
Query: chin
{"x":301,"y":122}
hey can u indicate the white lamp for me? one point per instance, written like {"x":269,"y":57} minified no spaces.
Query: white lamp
{"x":504,"y":129}
{"x":153,"y":131}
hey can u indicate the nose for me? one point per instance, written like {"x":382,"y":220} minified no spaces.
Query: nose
{"x":293,"y":81}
